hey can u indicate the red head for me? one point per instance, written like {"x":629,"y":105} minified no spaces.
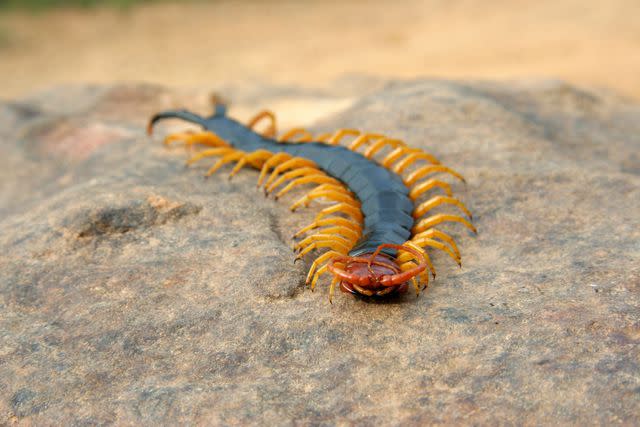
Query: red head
{"x":376,"y":274}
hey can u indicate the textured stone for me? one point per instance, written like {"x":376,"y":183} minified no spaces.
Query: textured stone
{"x":132,"y":290}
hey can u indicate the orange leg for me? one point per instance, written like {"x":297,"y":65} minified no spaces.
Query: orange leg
{"x":363,"y":139}
{"x":422,"y":277}
{"x":433,"y":233}
{"x":408,"y":266}
{"x":212,"y":152}
{"x":412,"y":158}
{"x":434,"y":220}
{"x":425,"y":207}
{"x":378,"y":145}
{"x":336,"y":246}
{"x":422,"y":242}
{"x":255,"y":159}
{"x":190,"y":138}
{"x":332,"y":288}
{"x":274,"y":161}
{"x":319,"y":273}
{"x":314,"y":238}
{"x":426,"y":170}
{"x":291,"y":175}
{"x":316,"y":276}
{"x":295,"y":162}
{"x":332,"y":187}
{"x":328,"y":194}
{"x":319,"y":260}
{"x":342,"y":208}
{"x":341,"y":133}
{"x":306,"y":136}
{"x":394,"y":155}
{"x":405,"y":256}
{"x":339,"y":221}
{"x":427,"y":185}
{"x":348,"y":233}
{"x":323,"y":137}
{"x":227,"y":158}
{"x":320,"y":178}
{"x":271,"y":130}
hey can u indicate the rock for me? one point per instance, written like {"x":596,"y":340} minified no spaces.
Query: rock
{"x":133,"y":290}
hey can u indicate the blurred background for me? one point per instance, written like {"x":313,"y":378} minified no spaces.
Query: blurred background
{"x":191,"y":44}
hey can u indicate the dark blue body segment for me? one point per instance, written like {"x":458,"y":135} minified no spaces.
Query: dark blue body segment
{"x":383,"y":195}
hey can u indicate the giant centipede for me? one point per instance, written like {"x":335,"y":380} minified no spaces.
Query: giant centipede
{"x":380,"y":223}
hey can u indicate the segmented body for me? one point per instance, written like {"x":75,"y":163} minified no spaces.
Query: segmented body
{"x":369,"y":231}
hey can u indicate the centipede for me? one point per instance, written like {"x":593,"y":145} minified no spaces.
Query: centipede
{"x":376,"y":232}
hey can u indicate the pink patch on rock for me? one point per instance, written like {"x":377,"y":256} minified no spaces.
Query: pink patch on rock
{"x":77,"y":143}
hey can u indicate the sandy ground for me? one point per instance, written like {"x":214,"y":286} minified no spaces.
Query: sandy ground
{"x":311,"y":43}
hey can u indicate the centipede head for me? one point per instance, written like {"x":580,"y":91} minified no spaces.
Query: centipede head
{"x":375,"y":274}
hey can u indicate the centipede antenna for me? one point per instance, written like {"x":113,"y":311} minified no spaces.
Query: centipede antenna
{"x":175,"y":114}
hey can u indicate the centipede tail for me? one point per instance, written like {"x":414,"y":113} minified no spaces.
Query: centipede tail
{"x":375,"y":234}
{"x":175,"y":114}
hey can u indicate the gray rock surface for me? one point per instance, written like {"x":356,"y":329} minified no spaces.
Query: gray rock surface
{"x":133,"y":291}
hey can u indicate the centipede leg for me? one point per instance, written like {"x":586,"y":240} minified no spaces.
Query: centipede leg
{"x":412,"y":158}
{"x":332,"y":244}
{"x":436,"y":201}
{"x":305,"y":135}
{"x":271,"y":130}
{"x":274,"y":161}
{"x":433,"y":233}
{"x":328,"y":194}
{"x":404,"y":256}
{"x":319,"y":272}
{"x":332,"y":288}
{"x":296,"y":173}
{"x":393,"y":156}
{"x":319,"y":260}
{"x":333,"y":221}
{"x":202,"y":138}
{"x":255,"y":158}
{"x":434,"y":220}
{"x":424,"y":277}
{"x":364,"y":139}
{"x":426,"y":170}
{"x":348,"y":233}
{"x":422,"y":242}
{"x":295,"y":162}
{"x":212,"y":152}
{"x":344,"y":208}
{"x":323,"y":137}
{"x":378,"y":145}
{"x":427,"y":185}
{"x":227,"y":158}
{"x":316,"y":179}
{"x":315,"y":238}
{"x":341,"y":133}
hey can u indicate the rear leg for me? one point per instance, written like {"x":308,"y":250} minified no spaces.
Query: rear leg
{"x":189,"y":139}
{"x":271,"y":130}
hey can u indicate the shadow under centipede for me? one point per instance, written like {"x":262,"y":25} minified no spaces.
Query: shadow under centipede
{"x":386,"y":299}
